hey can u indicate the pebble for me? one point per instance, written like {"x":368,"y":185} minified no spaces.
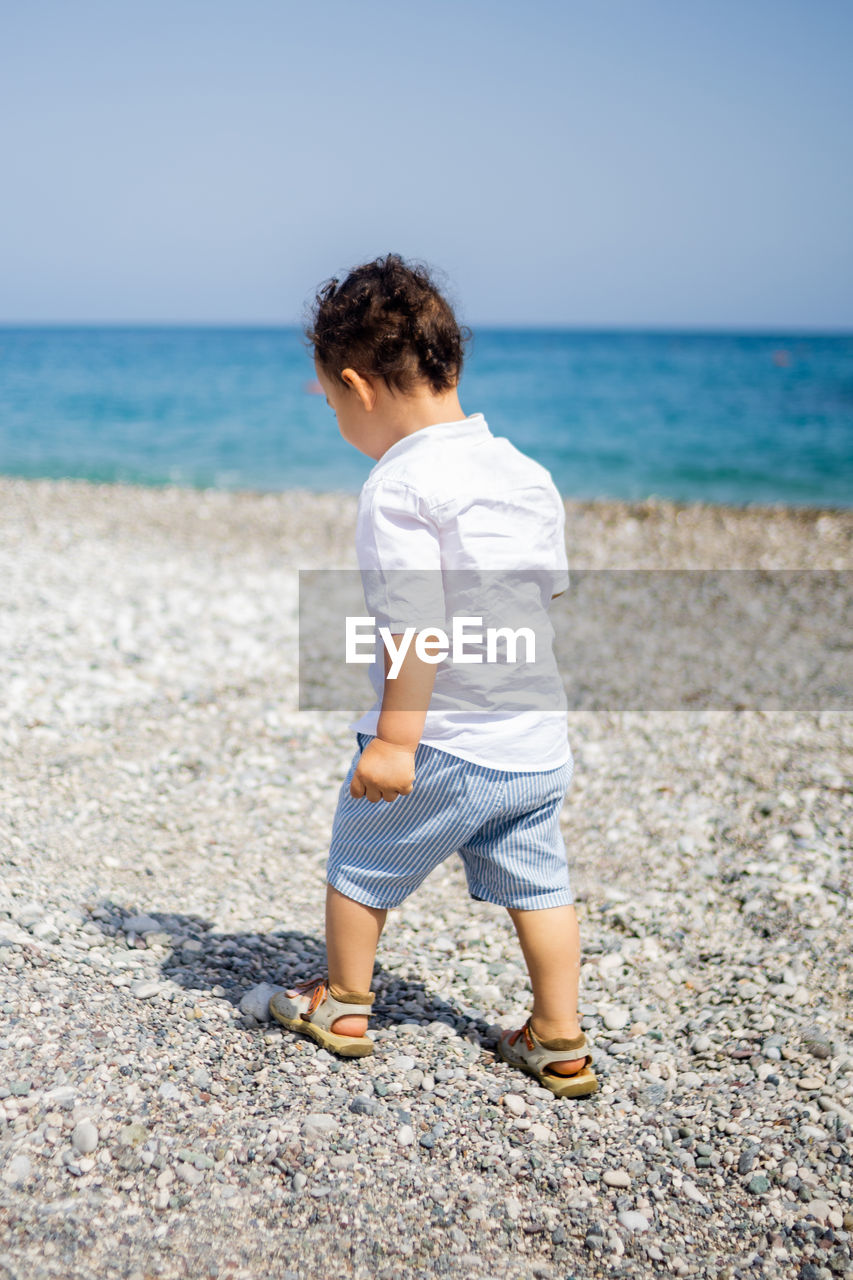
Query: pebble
{"x":84,"y":1137}
{"x":405,"y":1135}
{"x":190,"y":1174}
{"x":616,"y":1178}
{"x":362,"y":1105}
{"x":818,"y":1209}
{"x":18,"y":1169}
{"x":616,"y":1019}
{"x":144,"y":990}
{"x":514,"y":1104}
{"x":133,"y":1134}
{"x":256,"y":1002}
{"x":141,"y":924}
{"x":633,"y":1221}
{"x":319,"y":1125}
{"x":401,"y":1064}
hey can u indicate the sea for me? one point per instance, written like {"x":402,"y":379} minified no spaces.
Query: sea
{"x":715,"y":417}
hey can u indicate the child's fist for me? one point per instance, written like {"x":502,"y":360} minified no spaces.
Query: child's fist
{"x":384,"y":771}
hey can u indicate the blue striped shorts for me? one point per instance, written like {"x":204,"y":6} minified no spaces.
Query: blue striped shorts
{"x":505,"y":827}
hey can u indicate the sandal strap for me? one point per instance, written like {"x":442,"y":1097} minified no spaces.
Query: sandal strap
{"x":543,"y":1052}
{"x":324,"y":1009}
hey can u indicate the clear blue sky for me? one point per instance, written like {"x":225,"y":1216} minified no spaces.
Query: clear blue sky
{"x":608,"y":163}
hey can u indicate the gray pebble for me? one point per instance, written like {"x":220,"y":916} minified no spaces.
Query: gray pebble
{"x":141,"y":924}
{"x":365,"y":1106}
{"x":256,"y":1001}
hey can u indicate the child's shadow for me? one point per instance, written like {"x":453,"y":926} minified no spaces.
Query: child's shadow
{"x":201,"y":959}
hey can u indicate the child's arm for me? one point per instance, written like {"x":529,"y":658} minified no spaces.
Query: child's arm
{"x":386,"y":767}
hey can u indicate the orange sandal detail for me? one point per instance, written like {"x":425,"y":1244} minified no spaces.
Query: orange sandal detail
{"x":312,"y":1008}
{"x":524,"y":1049}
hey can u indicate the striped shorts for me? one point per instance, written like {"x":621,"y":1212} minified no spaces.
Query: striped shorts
{"x":505,"y":827}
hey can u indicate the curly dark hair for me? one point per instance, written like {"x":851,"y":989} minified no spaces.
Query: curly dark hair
{"x":387,"y":319}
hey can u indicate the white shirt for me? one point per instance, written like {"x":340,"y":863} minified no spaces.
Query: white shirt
{"x":447,"y":517}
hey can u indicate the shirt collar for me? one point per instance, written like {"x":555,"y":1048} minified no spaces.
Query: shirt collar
{"x":464,"y":428}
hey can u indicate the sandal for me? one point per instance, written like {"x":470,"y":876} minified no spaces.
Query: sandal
{"x":310,"y":1007}
{"x":534,"y":1056}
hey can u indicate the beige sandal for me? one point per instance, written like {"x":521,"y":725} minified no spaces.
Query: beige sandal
{"x":524,"y":1049}
{"x":313,"y":1007}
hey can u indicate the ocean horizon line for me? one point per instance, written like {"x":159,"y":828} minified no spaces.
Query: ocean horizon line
{"x":514,"y":327}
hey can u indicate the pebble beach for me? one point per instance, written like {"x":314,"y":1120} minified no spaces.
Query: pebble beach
{"x":164,"y":816}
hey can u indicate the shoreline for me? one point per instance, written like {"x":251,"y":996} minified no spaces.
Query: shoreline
{"x":651,"y":501}
{"x":313,"y":530}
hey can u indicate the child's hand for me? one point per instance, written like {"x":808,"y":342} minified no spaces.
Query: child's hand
{"x":384,"y":771}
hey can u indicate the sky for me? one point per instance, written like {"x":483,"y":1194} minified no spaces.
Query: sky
{"x":614,"y":163}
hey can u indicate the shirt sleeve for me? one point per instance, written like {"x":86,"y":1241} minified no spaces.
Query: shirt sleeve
{"x":399,"y":555}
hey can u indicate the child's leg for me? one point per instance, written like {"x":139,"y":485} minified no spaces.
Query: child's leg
{"x":352,"y":935}
{"x":551,"y":945}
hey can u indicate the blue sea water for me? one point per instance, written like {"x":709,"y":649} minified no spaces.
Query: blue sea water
{"x":727,"y":418}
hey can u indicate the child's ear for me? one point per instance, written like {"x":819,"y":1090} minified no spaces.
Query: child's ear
{"x":363,"y":387}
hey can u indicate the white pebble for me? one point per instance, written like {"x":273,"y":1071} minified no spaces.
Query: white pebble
{"x":405,"y":1135}
{"x":514,"y":1104}
{"x":84,"y":1137}
{"x":616,"y":1019}
{"x":319,"y":1124}
{"x":616,"y":1178}
{"x":17,"y":1170}
{"x":819,"y":1210}
{"x":144,"y":989}
{"x":633,"y":1221}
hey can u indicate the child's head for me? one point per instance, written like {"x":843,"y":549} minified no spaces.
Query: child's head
{"x":387,"y":320}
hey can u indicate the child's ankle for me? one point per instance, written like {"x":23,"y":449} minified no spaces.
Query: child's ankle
{"x":567,"y":1030}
